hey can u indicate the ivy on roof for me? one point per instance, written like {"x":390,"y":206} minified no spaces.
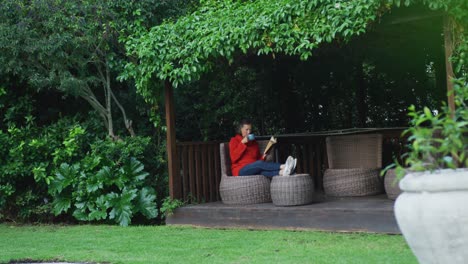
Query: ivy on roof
{"x":183,"y":50}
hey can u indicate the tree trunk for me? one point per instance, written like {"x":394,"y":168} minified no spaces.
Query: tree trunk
{"x":107,"y":94}
{"x":128,"y":122}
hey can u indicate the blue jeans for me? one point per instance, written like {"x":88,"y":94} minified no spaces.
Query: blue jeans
{"x":268,"y":169}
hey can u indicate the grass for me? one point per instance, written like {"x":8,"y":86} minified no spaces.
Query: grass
{"x":168,"y":244}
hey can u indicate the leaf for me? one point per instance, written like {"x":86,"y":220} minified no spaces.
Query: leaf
{"x":94,"y":183}
{"x":64,"y":177}
{"x":133,"y":170}
{"x":384,"y":171}
{"x":400,"y":172}
{"x":122,"y":207}
{"x":104,"y":173}
{"x":61,"y":204}
{"x":80,"y":215}
{"x":428,"y":112}
{"x":97,"y":215}
{"x":146,"y":203}
{"x":449,"y":162}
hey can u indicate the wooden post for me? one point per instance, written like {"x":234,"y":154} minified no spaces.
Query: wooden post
{"x":172,"y":158}
{"x":448,"y":43}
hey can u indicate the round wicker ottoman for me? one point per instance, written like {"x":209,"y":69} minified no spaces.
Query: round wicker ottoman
{"x":296,"y":189}
{"x":352,"y":182}
{"x":245,"y":189}
{"x":391,"y":185}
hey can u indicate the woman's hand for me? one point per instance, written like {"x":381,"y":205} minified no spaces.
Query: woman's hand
{"x":245,"y":140}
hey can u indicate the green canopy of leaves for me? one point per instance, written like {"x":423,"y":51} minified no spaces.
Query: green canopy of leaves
{"x":181,"y":51}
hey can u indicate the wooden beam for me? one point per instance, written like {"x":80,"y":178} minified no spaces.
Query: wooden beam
{"x":448,"y":43}
{"x":172,"y":158}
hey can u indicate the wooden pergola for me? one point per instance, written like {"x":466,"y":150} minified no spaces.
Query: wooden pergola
{"x":175,"y":181}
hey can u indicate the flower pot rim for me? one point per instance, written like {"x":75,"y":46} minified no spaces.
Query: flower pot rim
{"x":442,"y":180}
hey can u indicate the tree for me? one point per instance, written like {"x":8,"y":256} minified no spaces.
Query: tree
{"x":63,"y":45}
{"x":76,"y":46}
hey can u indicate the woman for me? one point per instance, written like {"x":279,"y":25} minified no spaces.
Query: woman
{"x":247,"y":160}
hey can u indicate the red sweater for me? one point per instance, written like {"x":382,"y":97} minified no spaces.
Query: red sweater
{"x":242,"y":154}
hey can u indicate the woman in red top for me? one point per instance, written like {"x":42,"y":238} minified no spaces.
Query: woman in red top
{"x":247,"y":160}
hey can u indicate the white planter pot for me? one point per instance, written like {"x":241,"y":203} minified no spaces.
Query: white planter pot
{"x":432,"y":213}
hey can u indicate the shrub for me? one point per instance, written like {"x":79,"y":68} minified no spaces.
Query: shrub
{"x":25,"y":164}
{"x":97,"y":192}
{"x":65,"y":169}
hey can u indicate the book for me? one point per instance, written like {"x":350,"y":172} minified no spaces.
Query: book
{"x":270,"y":144}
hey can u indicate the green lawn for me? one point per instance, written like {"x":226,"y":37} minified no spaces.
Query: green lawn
{"x":163,"y":244}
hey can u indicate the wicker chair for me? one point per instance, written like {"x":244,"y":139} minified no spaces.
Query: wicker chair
{"x":245,"y":189}
{"x":354,"y":165}
{"x":391,"y":185}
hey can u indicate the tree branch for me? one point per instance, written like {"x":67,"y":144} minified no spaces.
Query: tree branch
{"x":128,"y":122}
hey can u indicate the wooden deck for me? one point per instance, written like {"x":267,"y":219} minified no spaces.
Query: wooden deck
{"x":351,"y":214}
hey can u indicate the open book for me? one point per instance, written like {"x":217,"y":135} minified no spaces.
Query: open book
{"x":270,"y":145}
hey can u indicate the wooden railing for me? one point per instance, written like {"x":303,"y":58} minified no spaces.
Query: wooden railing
{"x":200,"y":170}
{"x":200,"y":167}
{"x":310,"y":153}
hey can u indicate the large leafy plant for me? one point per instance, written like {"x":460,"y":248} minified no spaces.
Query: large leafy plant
{"x":108,"y":184}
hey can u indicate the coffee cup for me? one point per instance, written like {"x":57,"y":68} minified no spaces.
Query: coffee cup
{"x":251,"y":137}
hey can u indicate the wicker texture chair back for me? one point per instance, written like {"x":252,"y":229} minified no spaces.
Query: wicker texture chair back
{"x":243,"y":189}
{"x":354,"y":164}
{"x":226,"y":158}
{"x":355,"y":151}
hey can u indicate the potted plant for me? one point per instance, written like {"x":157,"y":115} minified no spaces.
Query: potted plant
{"x":432,"y":211}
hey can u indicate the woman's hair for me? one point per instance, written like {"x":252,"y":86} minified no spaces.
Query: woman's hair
{"x":242,"y":123}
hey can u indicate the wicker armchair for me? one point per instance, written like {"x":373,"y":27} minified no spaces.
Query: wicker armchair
{"x":245,"y":189}
{"x":354,"y":165}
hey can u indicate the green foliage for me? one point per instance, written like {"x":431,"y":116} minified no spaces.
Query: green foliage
{"x":455,"y":8}
{"x":51,"y":52}
{"x":439,"y":140}
{"x":73,"y":47}
{"x":109,"y":183}
{"x":169,"y":205}
{"x":45,"y":170}
{"x":27,"y":158}
{"x":183,"y":50}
